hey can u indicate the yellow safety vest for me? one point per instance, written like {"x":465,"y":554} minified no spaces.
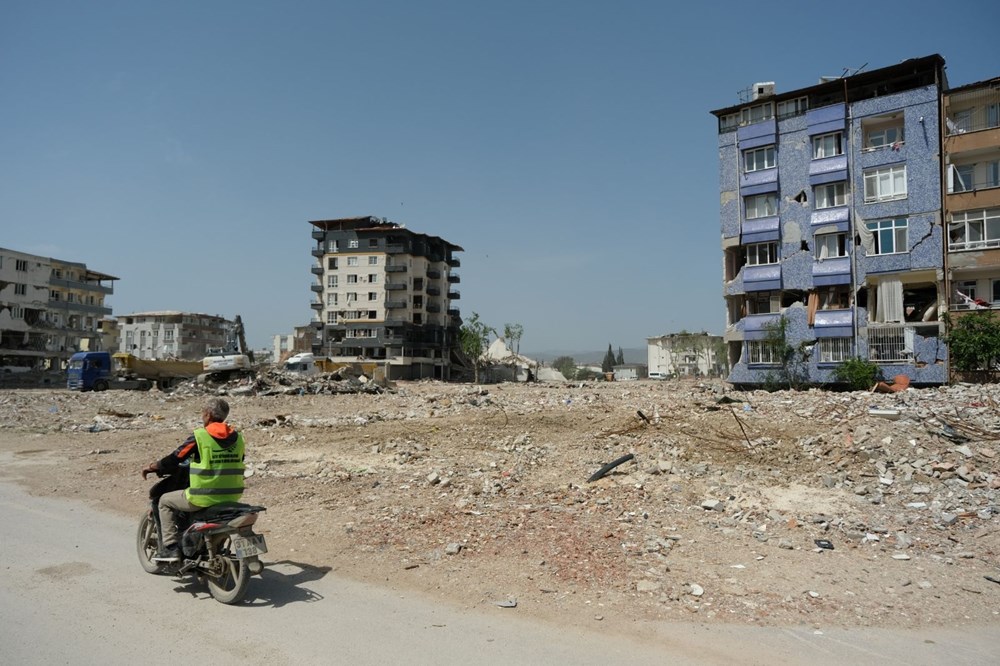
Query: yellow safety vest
{"x":217,"y":477}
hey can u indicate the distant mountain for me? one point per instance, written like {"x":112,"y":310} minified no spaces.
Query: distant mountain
{"x":631,"y":354}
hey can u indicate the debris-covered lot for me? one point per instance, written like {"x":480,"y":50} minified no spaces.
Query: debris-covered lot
{"x":775,"y":508}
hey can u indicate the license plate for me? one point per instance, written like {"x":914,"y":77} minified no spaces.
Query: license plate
{"x":248,"y":546}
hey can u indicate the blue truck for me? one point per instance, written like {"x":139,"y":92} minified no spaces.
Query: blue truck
{"x":101,"y":370}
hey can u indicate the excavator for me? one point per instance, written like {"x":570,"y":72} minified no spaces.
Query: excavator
{"x":232,"y":361}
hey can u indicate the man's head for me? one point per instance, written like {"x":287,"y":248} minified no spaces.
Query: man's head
{"x":215,"y":411}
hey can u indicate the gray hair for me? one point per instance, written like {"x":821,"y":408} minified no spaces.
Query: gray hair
{"x":217,"y":409}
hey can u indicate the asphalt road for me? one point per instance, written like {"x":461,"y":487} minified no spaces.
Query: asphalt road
{"x":72,"y":592}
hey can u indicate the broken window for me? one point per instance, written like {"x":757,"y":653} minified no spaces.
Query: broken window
{"x":974,"y":229}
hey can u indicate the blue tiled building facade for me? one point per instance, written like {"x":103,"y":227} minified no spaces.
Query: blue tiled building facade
{"x":830,"y":211}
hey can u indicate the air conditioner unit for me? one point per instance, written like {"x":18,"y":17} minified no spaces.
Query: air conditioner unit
{"x":762,"y":90}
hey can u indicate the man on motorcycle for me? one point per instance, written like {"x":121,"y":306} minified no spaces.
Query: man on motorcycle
{"x":214,"y":454}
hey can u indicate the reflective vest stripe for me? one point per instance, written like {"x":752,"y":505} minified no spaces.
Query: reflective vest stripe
{"x":217,"y":477}
{"x":210,"y":491}
{"x":212,"y":472}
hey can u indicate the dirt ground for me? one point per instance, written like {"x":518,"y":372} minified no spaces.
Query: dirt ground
{"x":757,"y":508}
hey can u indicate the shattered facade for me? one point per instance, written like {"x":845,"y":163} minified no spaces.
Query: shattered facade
{"x":170,"y":334}
{"x":971,"y":157}
{"x":385,"y":294}
{"x":830,"y":211}
{"x":49,"y":309}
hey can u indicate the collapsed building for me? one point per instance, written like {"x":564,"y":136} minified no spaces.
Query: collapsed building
{"x":49,"y":309}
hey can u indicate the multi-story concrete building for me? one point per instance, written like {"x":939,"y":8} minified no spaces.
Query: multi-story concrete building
{"x":831,"y":225}
{"x":171,"y":334}
{"x":384,"y":294}
{"x":686,"y":355}
{"x":49,"y":309}
{"x":971,"y":161}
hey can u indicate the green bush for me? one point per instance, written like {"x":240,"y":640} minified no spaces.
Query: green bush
{"x":858,"y":374}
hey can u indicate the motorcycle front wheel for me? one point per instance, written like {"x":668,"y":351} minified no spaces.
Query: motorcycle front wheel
{"x":231,"y":586}
{"x":146,"y":543}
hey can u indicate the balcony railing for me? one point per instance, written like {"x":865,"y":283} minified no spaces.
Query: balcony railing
{"x":316,"y":270}
{"x":454,"y":262}
{"x":316,"y":305}
{"x":433,"y":307}
{"x":454,"y":279}
{"x":454,"y":295}
{"x":318,"y":234}
{"x":318,"y":288}
{"x":395,"y":305}
{"x":433,"y":291}
{"x":433,"y":274}
{"x":396,"y":268}
{"x":395,"y":249}
{"x":893,"y":343}
{"x":972,"y":111}
{"x":83,"y":286}
{"x":394,"y":286}
{"x":318,"y":252}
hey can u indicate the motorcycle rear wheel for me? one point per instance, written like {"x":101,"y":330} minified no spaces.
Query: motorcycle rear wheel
{"x":146,"y":543}
{"x":231,"y":587}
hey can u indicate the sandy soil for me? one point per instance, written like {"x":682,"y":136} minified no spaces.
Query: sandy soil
{"x":480,"y":495}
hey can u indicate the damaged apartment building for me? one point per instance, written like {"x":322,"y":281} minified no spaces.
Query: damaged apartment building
{"x":831,"y":215}
{"x":971,"y":159}
{"x":384,"y":296}
{"x":49,"y":309}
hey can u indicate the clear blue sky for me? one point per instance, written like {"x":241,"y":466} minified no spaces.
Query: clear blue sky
{"x":567,"y":146}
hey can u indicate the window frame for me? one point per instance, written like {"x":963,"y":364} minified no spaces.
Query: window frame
{"x":896,"y":226}
{"x":875,"y":176}
{"x":821,"y":240}
{"x":763,"y":353}
{"x":844,"y":194}
{"x":754,"y":253}
{"x":834,"y":351}
{"x":756,"y":198}
{"x":766,"y":151}
{"x":747,"y":116}
{"x":799,"y":107}
{"x":986,"y":217}
{"x":817,"y":145}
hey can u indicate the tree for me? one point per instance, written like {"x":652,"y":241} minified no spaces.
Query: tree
{"x":974,"y":343}
{"x":684,"y":345}
{"x":512,"y":334}
{"x":621,"y":357}
{"x":608,"y":364}
{"x":474,"y":337}
{"x":791,"y":360}
{"x":566,"y":365}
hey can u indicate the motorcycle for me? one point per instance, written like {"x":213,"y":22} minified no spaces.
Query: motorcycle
{"x":218,"y":544}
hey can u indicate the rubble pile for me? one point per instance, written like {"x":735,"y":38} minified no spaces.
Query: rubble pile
{"x":879,"y":508}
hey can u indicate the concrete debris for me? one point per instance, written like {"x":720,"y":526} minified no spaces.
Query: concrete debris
{"x":493,"y":478}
